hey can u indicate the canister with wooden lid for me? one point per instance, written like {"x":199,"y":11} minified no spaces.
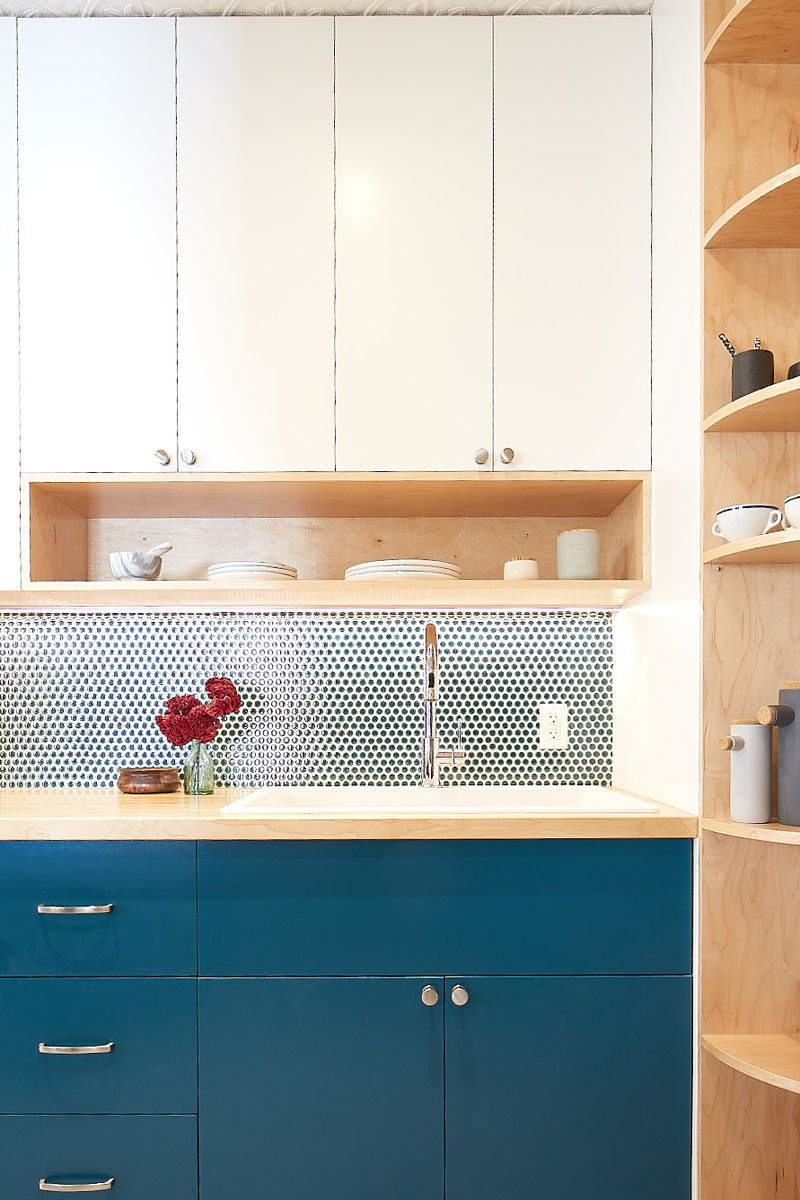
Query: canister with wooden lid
{"x":750,"y":744}
{"x":784,"y":715}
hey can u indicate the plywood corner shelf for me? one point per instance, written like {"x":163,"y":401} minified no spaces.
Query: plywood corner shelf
{"x":787,"y":835}
{"x":757,"y":31}
{"x":324,"y":522}
{"x":777,"y":548}
{"x":772,"y":1058}
{"x":768,"y":217}
{"x":773,"y":409}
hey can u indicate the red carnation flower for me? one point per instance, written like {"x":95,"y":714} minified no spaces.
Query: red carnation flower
{"x":224,"y":697}
{"x":174,"y":729}
{"x":202,"y":725}
{"x":188,"y":720}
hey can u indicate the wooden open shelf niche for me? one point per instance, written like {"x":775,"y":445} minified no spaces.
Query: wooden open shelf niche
{"x":323,"y":523}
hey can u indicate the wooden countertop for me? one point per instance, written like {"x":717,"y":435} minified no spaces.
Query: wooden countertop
{"x":85,"y":814}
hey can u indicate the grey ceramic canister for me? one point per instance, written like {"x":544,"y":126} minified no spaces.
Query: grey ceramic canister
{"x":786,"y":716}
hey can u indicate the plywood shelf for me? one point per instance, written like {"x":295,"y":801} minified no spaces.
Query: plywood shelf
{"x":757,"y":31}
{"x":322,"y":524}
{"x":768,"y":217}
{"x":320,"y":593}
{"x":773,"y":409}
{"x":772,"y":1058}
{"x":777,"y":548}
{"x":788,"y":835}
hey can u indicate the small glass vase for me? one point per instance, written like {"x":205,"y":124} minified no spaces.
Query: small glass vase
{"x":198,"y":771}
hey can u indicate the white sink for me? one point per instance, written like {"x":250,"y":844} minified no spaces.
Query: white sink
{"x":446,"y":801}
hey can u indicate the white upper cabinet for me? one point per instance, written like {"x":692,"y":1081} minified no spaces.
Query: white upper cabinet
{"x":97,"y":243}
{"x":413,"y":242}
{"x":572,"y":242}
{"x":255,"y":244}
{"x":9,"y":404}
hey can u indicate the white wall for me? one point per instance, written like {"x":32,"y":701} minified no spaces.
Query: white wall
{"x":9,"y":390}
{"x":657,"y":638}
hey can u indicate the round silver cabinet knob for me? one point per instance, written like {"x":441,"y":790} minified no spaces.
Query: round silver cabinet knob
{"x":459,"y":995}
{"x":163,"y":457}
{"x":189,"y":457}
{"x":430,"y":996}
{"x":507,"y":454}
{"x":481,"y":456}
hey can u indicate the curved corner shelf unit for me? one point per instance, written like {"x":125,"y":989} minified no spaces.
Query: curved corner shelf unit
{"x":776,"y":548}
{"x":773,"y":409}
{"x":766,"y":218}
{"x":757,"y":31}
{"x":786,"y":835}
{"x":772,"y":1058}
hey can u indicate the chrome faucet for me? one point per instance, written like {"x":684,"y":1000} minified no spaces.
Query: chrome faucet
{"x":432,"y":755}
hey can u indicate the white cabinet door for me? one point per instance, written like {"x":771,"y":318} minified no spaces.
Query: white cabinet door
{"x":255,"y":244}
{"x":9,"y":403}
{"x":572,"y":242}
{"x":413,"y":242}
{"x":97,"y":243}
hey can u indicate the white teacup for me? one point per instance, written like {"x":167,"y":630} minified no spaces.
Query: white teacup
{"x":791,"y":508}
{"x":739,"y":521}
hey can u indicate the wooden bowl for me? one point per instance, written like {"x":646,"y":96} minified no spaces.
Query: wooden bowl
{"x":141,"y":781}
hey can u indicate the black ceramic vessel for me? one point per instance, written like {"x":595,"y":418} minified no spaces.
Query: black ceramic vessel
{"x":794,"y":371}
{"x":752,"y":370}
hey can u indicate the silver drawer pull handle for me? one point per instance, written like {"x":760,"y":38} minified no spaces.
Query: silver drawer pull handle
{"x":73,"y":910}
{"x":46,"y":1186}
{"x":44,"y":1048}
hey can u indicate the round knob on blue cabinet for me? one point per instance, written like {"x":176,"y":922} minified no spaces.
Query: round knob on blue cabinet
{"x":459,"y":995}
{"x":430,"y":996}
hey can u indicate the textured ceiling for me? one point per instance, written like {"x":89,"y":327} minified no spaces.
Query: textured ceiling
{"x":172,"y":8}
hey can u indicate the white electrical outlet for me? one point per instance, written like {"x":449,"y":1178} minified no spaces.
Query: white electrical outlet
{"x":553,"y":726}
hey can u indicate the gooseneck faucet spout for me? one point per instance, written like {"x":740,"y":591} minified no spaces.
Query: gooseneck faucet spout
{"x":432,"y":755}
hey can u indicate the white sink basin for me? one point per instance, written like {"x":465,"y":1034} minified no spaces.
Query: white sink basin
{"x":419,"y":801}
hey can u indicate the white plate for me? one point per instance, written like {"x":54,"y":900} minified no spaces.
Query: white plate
{"x":350,"y":574}
{"x":250,"y":565}
{"x":384,"y":564}
{"x":254,"y":571}
{"x":375,"y":575}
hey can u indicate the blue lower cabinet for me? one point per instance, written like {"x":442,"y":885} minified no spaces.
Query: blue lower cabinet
{"x":569,"y":1088}
{"x":148,"y":1158}
{"x":98,"y":1045}
{"x":321,"y":1087}
{"x":136,"y":908}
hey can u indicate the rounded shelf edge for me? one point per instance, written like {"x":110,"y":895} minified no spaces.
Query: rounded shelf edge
{"x":774,"y":409}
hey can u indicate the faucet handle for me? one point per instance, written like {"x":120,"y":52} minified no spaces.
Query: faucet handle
{"x":457,"y":752}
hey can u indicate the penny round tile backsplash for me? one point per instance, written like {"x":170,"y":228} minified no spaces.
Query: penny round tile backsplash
{"x":329,"y":698}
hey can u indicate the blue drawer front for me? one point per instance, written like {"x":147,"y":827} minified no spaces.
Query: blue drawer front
{"x":152,"y":1067}
{"x":569,"y":1089}
{"x":149,"y":1158}
{"x":150,"y":930}
{"x":413,"y":908}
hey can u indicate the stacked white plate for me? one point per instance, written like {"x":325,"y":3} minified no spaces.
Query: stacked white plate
{"x":403,"y":568}
{"x":251,"y":571}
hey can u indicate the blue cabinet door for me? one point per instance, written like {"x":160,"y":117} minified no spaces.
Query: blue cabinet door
{"x":320,"y":1087}
{"x":569,"y":1088}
